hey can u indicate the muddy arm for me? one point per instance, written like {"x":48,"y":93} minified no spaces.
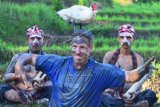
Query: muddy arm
{"x":23,"y":60}
{"x":136,"y":74}
{"x":137,"y":85}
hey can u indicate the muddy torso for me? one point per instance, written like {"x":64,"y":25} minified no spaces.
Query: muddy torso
{"x":124,"y":62}
{"x":30,"y":73}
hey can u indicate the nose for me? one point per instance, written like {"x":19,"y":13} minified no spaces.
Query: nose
{"x":77,"y":50}
{"x":35,"y":42}
{"x":125,"y":40}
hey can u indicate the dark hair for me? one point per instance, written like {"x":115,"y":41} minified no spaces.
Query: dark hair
{"x":83,"y":33}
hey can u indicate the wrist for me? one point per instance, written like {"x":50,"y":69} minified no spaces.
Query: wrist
{"x":16,"y":76}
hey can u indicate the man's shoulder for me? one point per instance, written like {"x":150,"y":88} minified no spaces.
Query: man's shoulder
{"x":140,"y":59}
{"x":108,"y":56}
{"x":25,"y":52}
{"x":138,"y":55}
{"x":18,"y":54}
{"x":53,"y":58}
{"x":110,"y":52}
{"x":99,"y":65}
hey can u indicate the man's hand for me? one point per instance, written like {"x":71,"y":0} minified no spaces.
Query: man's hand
{"x":38,"y":80}
{"x":131,"y":99}
{"x":38,"y":86}
{"x":20,"y":73}
{"x":146,"y":65}
{"x":136,"y":74}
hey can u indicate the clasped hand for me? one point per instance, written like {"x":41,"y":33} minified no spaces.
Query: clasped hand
{"x":131,"y":99}
{"x":21,"y":76}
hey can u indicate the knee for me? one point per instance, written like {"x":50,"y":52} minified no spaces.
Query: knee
{"x":151,"y":97}
{"x":151,"y":93}
{"x":12,"y":95}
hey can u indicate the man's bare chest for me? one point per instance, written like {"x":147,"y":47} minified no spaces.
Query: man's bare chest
{"x":125,"y":62}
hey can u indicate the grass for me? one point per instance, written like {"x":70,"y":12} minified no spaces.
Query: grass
{"x":15,"y":19}
{"x":152,"y":9}
{"x":100,"y":43}
{"x":141,"y":24}
{"x":145,"y":18}
{"x":146,"y":47}
{"x":122,"y":18}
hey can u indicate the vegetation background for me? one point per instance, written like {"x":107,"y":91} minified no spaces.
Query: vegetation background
{"x":18,"y":15}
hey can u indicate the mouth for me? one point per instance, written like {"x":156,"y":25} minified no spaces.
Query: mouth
{"x":78,"y":56}
{"x":36,"y":46}
{"x":125,"y":44}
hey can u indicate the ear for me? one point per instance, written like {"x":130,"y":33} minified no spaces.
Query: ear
{"x":134,"y":38}
{"x":27,"y":40}
{"x":44,"y":41}
{"x":91,"y":48}
{"x":118,"y":39}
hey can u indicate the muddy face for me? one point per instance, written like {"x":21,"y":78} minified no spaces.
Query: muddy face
{"x":126,"y":39}
{"x":35,"y":43}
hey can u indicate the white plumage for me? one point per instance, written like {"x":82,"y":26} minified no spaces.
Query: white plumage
{"x":78,"y":14}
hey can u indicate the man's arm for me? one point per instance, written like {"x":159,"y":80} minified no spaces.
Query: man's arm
{"x":9,"y":75}
{"x":23,"y":60}
{"x":136,"y":74}
{"x":26,"y":59}
{"x":140,"y":60}
{"x":108,"y":57}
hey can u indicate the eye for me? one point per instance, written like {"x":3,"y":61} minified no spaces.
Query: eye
{"x":32,"y":38}
{"x":129,"y":37}
{"x":74,"y":46}
{"x":39,"y":38}
{"x":121,"y":37}
{"x":82,"y":47}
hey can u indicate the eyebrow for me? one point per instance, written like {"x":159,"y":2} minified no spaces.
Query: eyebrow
{"x":125,"y":36}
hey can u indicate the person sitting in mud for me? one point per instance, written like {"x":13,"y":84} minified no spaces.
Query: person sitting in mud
{"x":126,"y":59}
{"x":14,"y":90}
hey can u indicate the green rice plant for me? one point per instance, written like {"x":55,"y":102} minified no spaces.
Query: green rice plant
{"x":152,"y":9}
{"x":122,"y":18}
{"x":111,"y":27}
{"x":3,"y":67}
{"x":146,"y":47}
{"x":63,"y":49}
{"x":15,"y":19}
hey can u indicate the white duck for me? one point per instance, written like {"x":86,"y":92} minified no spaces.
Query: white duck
{"x":78,"y":14}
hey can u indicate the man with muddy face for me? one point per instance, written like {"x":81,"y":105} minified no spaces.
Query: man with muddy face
{"x":35,"y":39}
{"x":81,"y":49}
{"x":126,"y":35}
{"x":17,"y":92}
{"x":126,"y":59}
